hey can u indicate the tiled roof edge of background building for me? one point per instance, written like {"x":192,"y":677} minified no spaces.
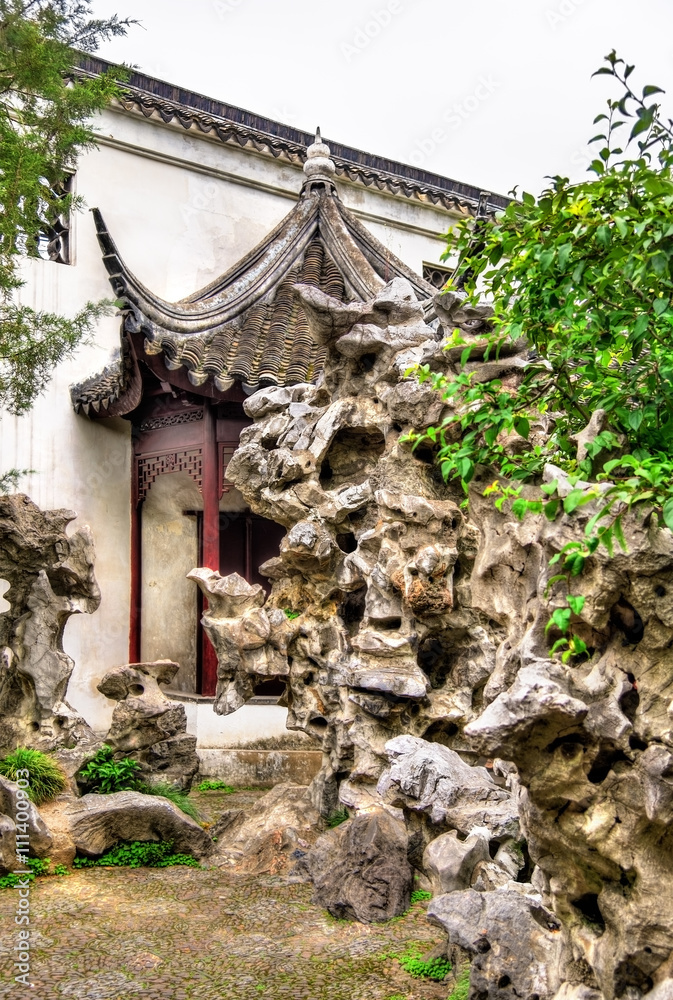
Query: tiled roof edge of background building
{"x":235,"y":125}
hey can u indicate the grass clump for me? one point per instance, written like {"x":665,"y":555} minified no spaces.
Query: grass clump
{"x":36,"y":867}
{"x":216,"y":785}
{"x":174,"y":795}
{"x":462,"y":987}
{"x":139,"y":854}
{"x":46,"y":776}
{"x":432,"y":968}
{"x":336,"y":818}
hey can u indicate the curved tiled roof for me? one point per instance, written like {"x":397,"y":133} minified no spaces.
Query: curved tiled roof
{"x":248,"y":325}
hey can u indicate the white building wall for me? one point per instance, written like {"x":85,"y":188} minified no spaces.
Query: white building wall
{"x":182,"y":208}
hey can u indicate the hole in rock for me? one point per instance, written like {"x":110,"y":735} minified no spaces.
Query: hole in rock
{"x":136,"y":689}
{"x":398,"y":428}
{"x":59,"y":721}
{"x":425,"y":455}
{"x":528,"y":864}
{"x":629,"y":702}
{"x":309,"y":679}
{"x":493,"y":846}
{"x":319,"y":722}
{"x":388,"y":624}
{"x":627,"y":880}
{"x":478,"y":696}
{"x":588,"y":906}
{"x":482,"y":945}
{"x":352,"y":456}
{"x":4,"y":605}
{"x":454,"y":523}
{"x":272,"y":687}
{"x":625,"y":617}
{"x":636,"y":743}
{"x":440,"y":732}
{"x":415,"y":709}
{"x":347,"y":542}
{"x":570,"y":744}
{"x":659,"y":591}
{"x":603,"y":763}
{"x":34,"y":726}
{"x":503,"y":982}
{"x":628,"y":974}
{"x":367,"y":362}
{"x":352,"y":608}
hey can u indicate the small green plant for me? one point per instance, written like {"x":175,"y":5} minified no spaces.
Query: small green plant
{"x":462,"y":988}
{"x":291,"y":614}
{"x":434,"y":968}
{"x":139,"y":854}
{"x":174,"y":795}
{"x":336,"y":818}
{"x":420,"y":896}
{"x":37,"y":867}
{"x":105,"y":775}
{"x":216,"y":785}
{"x":46,"y":777}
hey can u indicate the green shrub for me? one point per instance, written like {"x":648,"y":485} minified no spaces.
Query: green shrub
{"x":216,"y":785}
{"x":336,"y":818}
{"x":105,"y":775}
{"x":420,"y":896}
{"x":177,"y":797}
{"x":37,"y":867}
{"x":462,"y":987}
{"x":139,"y":854}
{"x":47,"y":777}
{"x":434,"y":968}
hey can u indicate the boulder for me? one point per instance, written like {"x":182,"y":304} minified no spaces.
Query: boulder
{"x":449,"y":862}
{"x":360,"y":870}
{"x":516,"y":945}
{"x":98,"y":822}
{"x":40,"y":841}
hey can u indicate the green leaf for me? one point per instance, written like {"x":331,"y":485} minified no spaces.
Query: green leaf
{"x":559,"y":619}
{"x":660,"y":306}
{"x":668,"y":513}
{"x":576,"y":603}
{"x":649,"y":90}
{"x":551,"y":509}
{"x":522,"y":426}
{"x":573,"y":500}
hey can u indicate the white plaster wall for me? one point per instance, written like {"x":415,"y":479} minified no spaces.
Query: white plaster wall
{"x":183,"y":208}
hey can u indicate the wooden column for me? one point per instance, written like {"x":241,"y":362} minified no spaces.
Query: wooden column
{"x":211,"y":531}
{"x":136,"y":566}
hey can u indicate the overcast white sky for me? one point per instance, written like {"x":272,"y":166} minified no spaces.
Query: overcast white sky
{"x":489,"y":92}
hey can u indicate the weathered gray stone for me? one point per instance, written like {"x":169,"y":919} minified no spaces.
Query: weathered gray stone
{"x":40,"y":840}
{"x":360,"y":870}
{"x":147,"y":724}
{"x":51,"y":577}
{"x":449,"y":862}
{"x":98,"y":822}
{"x":517,"y":946}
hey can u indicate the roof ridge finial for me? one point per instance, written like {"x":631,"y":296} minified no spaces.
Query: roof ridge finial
{"x":319,"y":166}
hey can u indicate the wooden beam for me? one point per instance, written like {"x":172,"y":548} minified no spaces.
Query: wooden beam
{"x":136,"y":567}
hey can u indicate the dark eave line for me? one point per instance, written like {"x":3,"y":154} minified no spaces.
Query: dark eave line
{"x":294,"y":141}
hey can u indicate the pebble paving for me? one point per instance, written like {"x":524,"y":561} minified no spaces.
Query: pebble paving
{"x":205,"y":934}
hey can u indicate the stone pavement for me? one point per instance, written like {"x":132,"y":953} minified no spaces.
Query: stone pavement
{"x":211,"y":934}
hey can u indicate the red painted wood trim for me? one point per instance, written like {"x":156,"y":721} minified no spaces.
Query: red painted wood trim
{"x":136,"y":568}
{"x":211,"y":530}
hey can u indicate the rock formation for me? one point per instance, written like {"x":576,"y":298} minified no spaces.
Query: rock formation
{"x":149,"y":726}
{"x":50,"y":576}
{"x":398,"y":623}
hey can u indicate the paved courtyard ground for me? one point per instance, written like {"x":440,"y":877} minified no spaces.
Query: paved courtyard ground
{"x":209,"y":934}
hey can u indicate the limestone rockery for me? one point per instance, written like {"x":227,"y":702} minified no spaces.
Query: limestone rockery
{"x":535,"y":796}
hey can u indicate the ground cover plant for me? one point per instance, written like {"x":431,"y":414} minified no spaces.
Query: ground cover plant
{"x":36,"y":867}
{"x":139,"y":854}
{"x":583,"y":277}
{"x":216,"y":785}
{"x":46,"y":780}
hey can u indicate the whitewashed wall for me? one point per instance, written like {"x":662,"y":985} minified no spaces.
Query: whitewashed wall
{"x":182,"y":208}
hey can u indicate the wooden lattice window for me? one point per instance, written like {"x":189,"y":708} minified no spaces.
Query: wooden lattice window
{"x":436,"y":274}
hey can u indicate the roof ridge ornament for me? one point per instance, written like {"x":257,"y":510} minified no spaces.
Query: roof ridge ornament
{"x":319,"y":167}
